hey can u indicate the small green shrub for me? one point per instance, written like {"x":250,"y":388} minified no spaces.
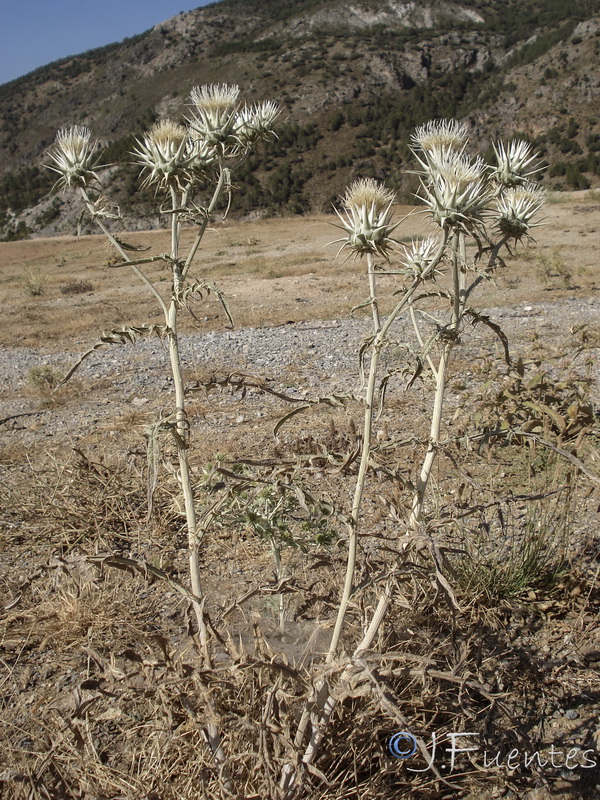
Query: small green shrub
{"x":44,"y":378}
{"x":553,"y":271}
{"x":35,"y":285}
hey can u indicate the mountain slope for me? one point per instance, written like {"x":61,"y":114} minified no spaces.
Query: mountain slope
{"x":354,"y":78}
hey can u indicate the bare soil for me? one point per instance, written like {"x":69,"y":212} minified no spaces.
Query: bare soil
{"x":271,"y":271}
{"x":105,"y":694}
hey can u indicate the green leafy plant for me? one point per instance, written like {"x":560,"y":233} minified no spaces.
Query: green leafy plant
{"x":277,"y":508}
{"x":553,"y":271}
{"x":35,"y":285}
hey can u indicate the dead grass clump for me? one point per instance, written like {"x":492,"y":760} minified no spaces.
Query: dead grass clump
{"x":35,"y":285}
{"x":83,"y":612}
{"x":96,"y":502}
{"x":76,"y":287}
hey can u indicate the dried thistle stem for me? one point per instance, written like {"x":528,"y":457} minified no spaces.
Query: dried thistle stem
{"x":122,"y":252}
{"x":458,"y":298}
{"x":373,"y":293}
{"x":204,"y":224}
{"x":366,"y":446}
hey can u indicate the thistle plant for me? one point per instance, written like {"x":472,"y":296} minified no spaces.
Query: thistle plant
{"x":467,"y":202}
{"x":465,"y":199}
{"x":189,"y":166}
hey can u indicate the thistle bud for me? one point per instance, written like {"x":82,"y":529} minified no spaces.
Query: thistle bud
{"x":417,"y":257}
{"x":255,"y":123}
{"x":203,"y":158}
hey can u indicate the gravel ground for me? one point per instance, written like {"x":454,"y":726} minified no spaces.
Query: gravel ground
{"x":313,"y":359}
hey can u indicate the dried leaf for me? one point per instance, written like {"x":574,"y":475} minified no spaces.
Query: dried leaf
{"x":121,"y":336}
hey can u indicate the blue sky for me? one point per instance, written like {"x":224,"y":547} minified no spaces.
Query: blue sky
{"x":35,"y":32}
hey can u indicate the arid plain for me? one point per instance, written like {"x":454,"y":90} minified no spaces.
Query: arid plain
{"x":94,"y":632}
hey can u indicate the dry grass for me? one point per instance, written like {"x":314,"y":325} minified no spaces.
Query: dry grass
{"x":106,"y":692}
{"x":276,"y":268}
{"x":106,"y":696}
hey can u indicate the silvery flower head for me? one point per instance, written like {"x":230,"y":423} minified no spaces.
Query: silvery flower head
{"x":165,"y":154}
{"x":454,"y":165}
{"x":439,"y":133}
{"x":367,"y":217}
{"x":418,"y":257}
{"x":255,"y":123}
{"x":74,"y":157}
{"x":516,"y":208}
{"x":516,"y":164}
{"x":456,"y":189}
{"x":214,"y":114}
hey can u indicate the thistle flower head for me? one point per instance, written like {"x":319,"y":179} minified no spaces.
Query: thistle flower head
{"x":367,"y":217}
{"x":452,"y":165}
{"x":366,"y":192}
{"x":255,"y":123}
{"x":215,"y":98}
{"x":456,"y":189}
{"x":418,"y":257}
{"x":516,"y":208}
{"x":438,"y":134}
{"x":214,"y":113}
{"x":516,"y":163}
{"x":165,"y":154}
{"x":74,"y":156}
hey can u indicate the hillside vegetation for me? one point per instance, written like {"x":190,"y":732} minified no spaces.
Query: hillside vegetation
{"x":353,"y":81}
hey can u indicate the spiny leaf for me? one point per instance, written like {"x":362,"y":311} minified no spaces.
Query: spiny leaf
{"x":542,"y":409}
{"x":368,"y":302}
{"x":361,"y":355}
{"x":122,"y":336}
{"x":153,"y":456}
{"x":242,"y":381}
{"x":477,"y":317}
{"x":288,"y":416}
{"x":135,"y":248}
{"x":333,"y":400}
{"x":198,"y":289}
